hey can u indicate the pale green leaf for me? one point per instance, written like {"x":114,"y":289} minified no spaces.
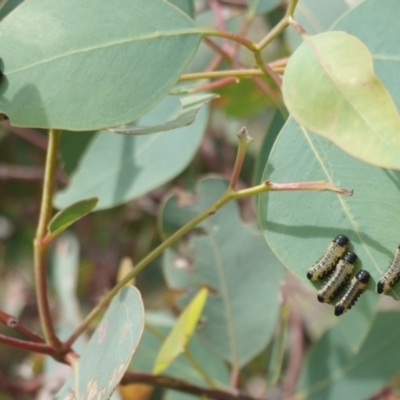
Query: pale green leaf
{"x":373,"y":23}
{"x":67,"y":216}
{"x":300,"y":225}
{"x":177,"y":341}
{"x":262,"y":6}
{"x":190,"y":105}
{"x":333,"y":372}
{"x":86,"y":65}
{"x":118,"y":168}
{"x":233,"y":262}
{"x":187,"y":6}
{"x":339,"y":97}
{"x":110,"y":349}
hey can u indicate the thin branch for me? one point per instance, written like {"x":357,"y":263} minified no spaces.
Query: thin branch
{"x":28,"y":346}
{"x":218,"y":49}
{"x":182,"y":386}
{"x":13,"y":323}
{"x":40,"y":249}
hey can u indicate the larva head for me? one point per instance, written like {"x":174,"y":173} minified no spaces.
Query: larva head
{"x":309,"y":275}
{"x":380,"y":286}
{"x":363,"y":276}
{"x":341,"y":240}
{"x":339,"y":309}
{"x":350,"y":257}
{"x":321,"y":298}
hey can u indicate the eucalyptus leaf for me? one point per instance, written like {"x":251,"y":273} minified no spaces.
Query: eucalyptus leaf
{"x":300,"y":225}
{"x":92,"y":64}
{"x":118,"y":168}
{"x":344,"y":101}
{"x":177,"y":341}
{"x":262,"y":6}
{"x":231,"y":260}
{"x":187,"y":6}
{"x":373,"y":23}
{"x":67,"y":216}
{"x":110,"y":349}
{"x":333,"y":372}
{"x":190,"y":105}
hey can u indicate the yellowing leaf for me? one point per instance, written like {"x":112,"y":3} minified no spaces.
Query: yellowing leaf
{"x":176,"y":342}
{"x":330,"y":88}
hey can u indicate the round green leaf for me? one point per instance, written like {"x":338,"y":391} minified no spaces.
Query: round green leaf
{"x":67,"y":216}
{"x":373,"y":23}
{"x":232,"y":261}
{"x":93,"y":64}
{"x":110,"y":349}
{"x":300,"y":225}
{"x":330,"y":88}
{"x":262,"y":6}
{"x":333,"y":371}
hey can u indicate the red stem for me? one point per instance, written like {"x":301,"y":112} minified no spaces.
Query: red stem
{"x":28,"y":346}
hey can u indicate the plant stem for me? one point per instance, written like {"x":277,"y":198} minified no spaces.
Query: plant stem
{"x":28,"y":346}
{"x":182,"y":386}
{"x":244,"y":142}
{"x":238,"y":73}
{"x":13,"y":323}
{"x":40,"y":249}
{"x":232,"y":36}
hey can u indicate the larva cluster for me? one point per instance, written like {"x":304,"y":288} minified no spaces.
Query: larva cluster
{"x":338,"y":266}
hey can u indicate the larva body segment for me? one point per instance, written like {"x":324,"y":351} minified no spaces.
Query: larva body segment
{"x":329,"y":260}
{"x":391,"y":276}
{"x":340,"y":276}
{"x":352,"y":292}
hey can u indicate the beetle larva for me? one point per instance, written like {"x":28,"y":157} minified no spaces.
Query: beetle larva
{"x":391,"y":276}
{"x":328,"y":261}
{"x":339,"y":277}
{"x":352,"y":292}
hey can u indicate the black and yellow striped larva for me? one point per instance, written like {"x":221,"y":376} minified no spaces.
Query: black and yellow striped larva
{"x":391,"y":276}
{"x":339,"y":277}
{"x":352,"y":292}
{"x":329,"y":260}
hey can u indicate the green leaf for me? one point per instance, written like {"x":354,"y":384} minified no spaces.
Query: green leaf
{"x":66,"y":217}
{"x":72,"y":147}
{"x":315,"y":16}
{"x":117,"y":168}
{"x":110,"y":349}
{"x":373,"y":23}
{"x":300,"y":225}
{"x":272,"y":133}
{"x":333,"y":372}
{"x":262,"y":6}
{"x":177,"y":341}
{"x":186,"y":6}
{"x":91,"y":65}
{"x":340,"y":98}
{"x":231,"y":260}
{"x":190,"y":105}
